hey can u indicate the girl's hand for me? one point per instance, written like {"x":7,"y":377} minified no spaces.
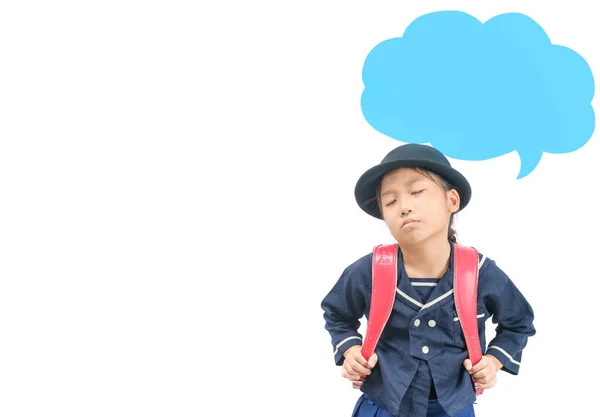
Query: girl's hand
{"x":484,"y":372}
{"x":355,"y":365}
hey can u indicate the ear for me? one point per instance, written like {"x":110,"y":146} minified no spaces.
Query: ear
{"x":453,"y":200}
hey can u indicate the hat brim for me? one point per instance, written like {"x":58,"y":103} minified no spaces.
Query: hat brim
{"x":365,"y":191}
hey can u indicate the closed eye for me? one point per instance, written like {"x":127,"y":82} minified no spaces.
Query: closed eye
{"x":390,"y":203}
{"x":417,"y":192}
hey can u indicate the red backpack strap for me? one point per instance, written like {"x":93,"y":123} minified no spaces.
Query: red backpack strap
{"x":466,"y":275}
{"x":383,"y":294}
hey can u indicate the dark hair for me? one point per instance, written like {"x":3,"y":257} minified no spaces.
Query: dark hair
{"x":439,"y":180}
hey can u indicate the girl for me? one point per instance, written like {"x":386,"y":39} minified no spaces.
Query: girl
{"x":421,"y":366}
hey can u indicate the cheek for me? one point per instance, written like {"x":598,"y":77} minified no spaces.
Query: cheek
{"x":389,"y":213}
{"x":392,"y":222}
{"x":437,"y":213}
{"x":389,"y":220}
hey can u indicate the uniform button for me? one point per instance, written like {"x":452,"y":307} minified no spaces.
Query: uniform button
{"x":425,"y":350}
{"x":417,"y":322}
{"x":431,"y":323}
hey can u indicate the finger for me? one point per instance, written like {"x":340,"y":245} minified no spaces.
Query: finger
{"x":350,"y":377}
{"x":359,"y":369}
{"x":373,"y":361}
{"x":486,"y":385}
{"x":351,"y":373}
{"x":467,"y":364}
{"x":355,"y":369}
{"x":483,"y":363}
{"x":348,"y":371}
{"x":358,"y":357}
{"x":484,"y":373}
{"x":486,"y":379}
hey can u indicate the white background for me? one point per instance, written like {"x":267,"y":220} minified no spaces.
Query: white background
{"x":176,"y":198}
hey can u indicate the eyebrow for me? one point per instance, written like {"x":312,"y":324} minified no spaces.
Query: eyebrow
{"x":408,"y":183}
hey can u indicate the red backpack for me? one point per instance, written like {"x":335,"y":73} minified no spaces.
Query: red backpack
{"x":466,"y":274}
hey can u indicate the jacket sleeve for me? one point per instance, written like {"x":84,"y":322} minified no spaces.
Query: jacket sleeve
{"x":513,"y":316}
{"x":343,"y":308}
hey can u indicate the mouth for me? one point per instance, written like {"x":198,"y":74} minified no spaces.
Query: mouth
{"x":408,"y":223}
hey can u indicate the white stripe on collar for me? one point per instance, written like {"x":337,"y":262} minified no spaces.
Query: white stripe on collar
{"x":440,"y":298}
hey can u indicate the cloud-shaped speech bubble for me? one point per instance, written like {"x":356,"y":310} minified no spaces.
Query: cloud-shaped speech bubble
{"x":479,"y":90}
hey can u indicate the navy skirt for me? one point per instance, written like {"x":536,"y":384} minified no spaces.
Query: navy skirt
{"x":366,"y":407}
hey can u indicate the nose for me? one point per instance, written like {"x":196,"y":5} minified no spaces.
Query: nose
{"x":403,"y":206}
{"x":405,"y":210}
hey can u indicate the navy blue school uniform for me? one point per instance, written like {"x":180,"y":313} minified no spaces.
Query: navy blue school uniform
{"x":422,"y":348}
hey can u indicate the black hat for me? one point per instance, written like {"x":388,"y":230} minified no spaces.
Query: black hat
{"x":410,"y":155}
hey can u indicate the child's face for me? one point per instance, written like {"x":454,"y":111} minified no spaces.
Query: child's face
{"x":416,"y":207}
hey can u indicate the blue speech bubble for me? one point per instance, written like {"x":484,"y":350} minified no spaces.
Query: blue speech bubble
{"x":477,"y":91}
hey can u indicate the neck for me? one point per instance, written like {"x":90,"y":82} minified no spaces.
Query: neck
{"x":429,"y":259}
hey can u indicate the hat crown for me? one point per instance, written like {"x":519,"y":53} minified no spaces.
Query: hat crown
{"x":416,"y":151}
